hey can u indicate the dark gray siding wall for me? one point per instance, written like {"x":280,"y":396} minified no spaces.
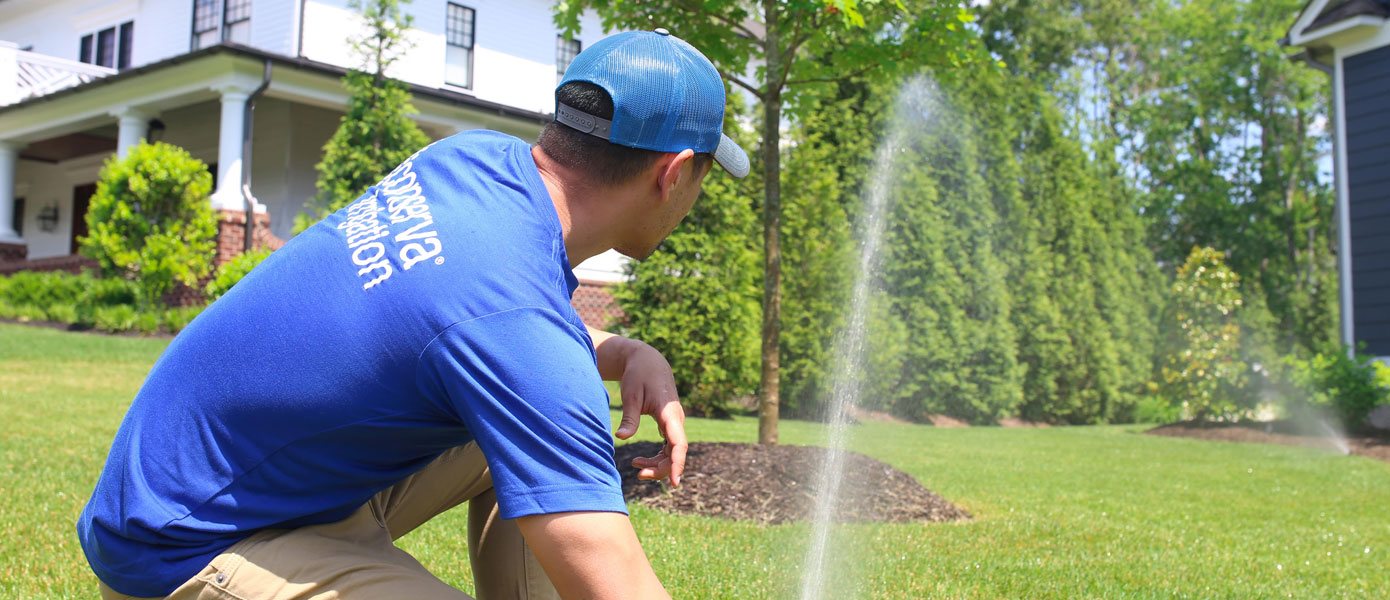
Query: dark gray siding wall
{"x":1368,"y":173}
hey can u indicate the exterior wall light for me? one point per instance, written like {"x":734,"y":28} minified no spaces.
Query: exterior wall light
{"x":48,"y":218}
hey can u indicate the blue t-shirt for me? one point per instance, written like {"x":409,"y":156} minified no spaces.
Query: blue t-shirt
{"x":432,"y":311}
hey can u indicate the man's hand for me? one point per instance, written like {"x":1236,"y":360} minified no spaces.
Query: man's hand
{"x":648,"y":388}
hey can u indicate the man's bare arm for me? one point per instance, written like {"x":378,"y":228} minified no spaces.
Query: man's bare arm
{"x":591,"y":556}
{"x":648,"y":388}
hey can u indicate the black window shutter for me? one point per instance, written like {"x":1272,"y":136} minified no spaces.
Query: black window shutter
{"x":85,"y":53}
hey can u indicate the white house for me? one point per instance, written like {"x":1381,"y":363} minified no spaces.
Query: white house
{"x":81,"y":80}
{"x":1350,"y":40}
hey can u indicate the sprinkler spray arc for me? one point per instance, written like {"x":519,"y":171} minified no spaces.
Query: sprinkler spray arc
{"x":915,"y":108}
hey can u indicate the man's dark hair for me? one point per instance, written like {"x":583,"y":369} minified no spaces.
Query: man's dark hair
{"x":604,"y":161}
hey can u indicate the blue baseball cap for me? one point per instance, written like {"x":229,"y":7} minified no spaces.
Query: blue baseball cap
{"x":666,"y":97}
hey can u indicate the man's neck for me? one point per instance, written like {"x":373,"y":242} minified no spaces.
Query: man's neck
{"x":585,"y":225}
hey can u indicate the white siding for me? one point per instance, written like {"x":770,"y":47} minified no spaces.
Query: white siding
{"x":55,"y":28}
{"x":514,"y":48}
{"x":274,"y":25}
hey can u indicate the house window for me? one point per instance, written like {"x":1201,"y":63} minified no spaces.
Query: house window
{"x":127,"y":39}
{"x":109,"y":47}
{"x":205,"y":30}
{"x":237,"y":21}
{"x":458,"y":62}
{"x":565,"y":51}
{"x":106,"y":47}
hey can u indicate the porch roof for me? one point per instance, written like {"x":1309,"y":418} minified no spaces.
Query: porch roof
{"x":300,"y":63}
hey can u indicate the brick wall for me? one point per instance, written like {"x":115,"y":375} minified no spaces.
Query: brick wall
{"x":13,"y":252}
{"x":73,"y":263}
{"x":231,"y":234}
{"x":596,"y":306}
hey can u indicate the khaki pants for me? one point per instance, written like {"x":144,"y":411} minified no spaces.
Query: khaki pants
{"x":356,"y":557}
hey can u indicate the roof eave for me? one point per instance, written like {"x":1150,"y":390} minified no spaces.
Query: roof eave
{"x":293,"y":62}
{"x":1337,"y":33}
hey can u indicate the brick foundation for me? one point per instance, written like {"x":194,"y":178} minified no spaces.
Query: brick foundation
{"x":594,"y":303}
{"x":73,"y":263}
{"x":231,"y":234}
{"x":13,"y":252}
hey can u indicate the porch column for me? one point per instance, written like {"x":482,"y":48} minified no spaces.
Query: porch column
{"x":9,"y":155}
{"x":133,"y":123}
{"x":228,"y":193}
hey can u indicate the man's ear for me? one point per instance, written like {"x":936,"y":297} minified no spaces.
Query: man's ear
{"x":669,"y":171}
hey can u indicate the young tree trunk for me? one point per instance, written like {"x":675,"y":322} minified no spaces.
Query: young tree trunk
{"x":772,"y":223}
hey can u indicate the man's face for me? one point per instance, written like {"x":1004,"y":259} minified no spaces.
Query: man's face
{"x":678,"y":204}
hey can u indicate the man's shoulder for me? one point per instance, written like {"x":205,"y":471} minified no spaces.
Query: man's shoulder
{"x":484,"y":140}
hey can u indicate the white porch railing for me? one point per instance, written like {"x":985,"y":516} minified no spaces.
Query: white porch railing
{"x":25,"y":75}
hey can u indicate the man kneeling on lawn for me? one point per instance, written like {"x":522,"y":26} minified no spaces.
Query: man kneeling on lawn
{"x":416,"y":350}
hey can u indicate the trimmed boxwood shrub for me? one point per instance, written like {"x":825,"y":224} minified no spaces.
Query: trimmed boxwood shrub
{"x":150,"y":220}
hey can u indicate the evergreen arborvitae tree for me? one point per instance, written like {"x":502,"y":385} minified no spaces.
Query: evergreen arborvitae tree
{"x":1001,"y":105}
{"x":1083,"y":283}
{"x":376,"y":134}
{"x":696,"y":298}
{"x":945,"y":282}
{"x":824,"y":166}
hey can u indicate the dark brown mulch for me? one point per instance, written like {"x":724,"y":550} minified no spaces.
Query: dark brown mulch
{"x":1370,"y":443}
{"x":776,"y":484}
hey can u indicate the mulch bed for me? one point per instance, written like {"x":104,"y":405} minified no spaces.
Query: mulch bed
{"x":777,"y":484}
{"x":1370,"y":443}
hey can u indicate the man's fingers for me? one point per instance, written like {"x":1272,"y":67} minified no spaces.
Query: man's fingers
{"x":655,"y":467}
{"x":673,"y":421}
{"x":660,"y":471}
{"x":643,"y":462}
{"x":632,"y":414}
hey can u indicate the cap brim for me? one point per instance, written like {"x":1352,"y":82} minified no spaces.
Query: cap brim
{"x":731,"y":157}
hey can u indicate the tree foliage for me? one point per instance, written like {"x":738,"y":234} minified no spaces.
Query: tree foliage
{"x":1222,"y":143}
{"x":801,"y":46}
{"x":150,"y":219}
{"x":377,"y":133}
{"x":1040,"y":226}
{"x":1214,"y":127}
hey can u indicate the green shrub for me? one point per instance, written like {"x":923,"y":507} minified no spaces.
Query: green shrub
{"x":115,"y":318}
{"x":175,"y":319}
{"x":7,"y":310}
{"x":147,"y":322}
{"x":109,"y":291}
{"x":1349,"y":387}
{"x":43,"y":289}
{"x":1154,"y":408}
{"x":62,"y":313}
{"x":150,"y":219}
{"x":28,"y":312}
{"x":232,"y":272}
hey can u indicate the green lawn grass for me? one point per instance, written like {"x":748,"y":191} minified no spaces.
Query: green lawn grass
{"x":1084,"y":512}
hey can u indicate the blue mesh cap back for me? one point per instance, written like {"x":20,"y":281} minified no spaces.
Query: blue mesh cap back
{"x":666,"y":95}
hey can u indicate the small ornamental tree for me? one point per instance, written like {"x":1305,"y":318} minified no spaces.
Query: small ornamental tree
{"x":150,"y":220}
{"x":376,"y":134}
{"x":1202,"y":368}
